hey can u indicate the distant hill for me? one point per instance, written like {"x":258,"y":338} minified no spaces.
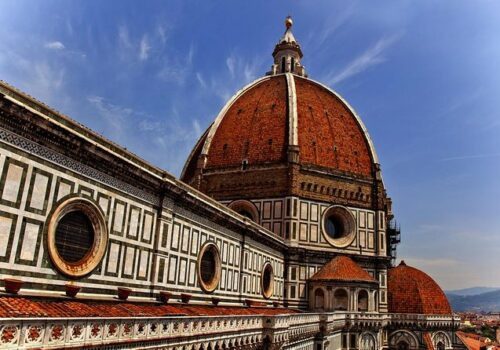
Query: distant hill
{"x":472,"y":291}
{"x":489,"y":301}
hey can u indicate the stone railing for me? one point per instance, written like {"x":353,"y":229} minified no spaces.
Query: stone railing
{"x":222,"y":331}
{"x":54,"y":332}
{"x":192,"y":332}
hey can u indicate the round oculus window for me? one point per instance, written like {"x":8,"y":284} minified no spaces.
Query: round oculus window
{"x":77,"y":237}
{"x":209,"y":267}
{"x":74,"y":237}
{"x":267,"y":280}
{"x":339,"y":226}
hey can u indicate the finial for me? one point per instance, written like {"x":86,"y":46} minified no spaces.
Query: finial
{"x":402,"y":263}
{"x":287,"y":53}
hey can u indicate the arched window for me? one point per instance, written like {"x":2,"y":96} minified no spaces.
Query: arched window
{"x":283,"y":64}
{"x":367,"y":342}
{"x":292,"y":66}
{"x":340,"y":300}
{"x":319,"y":299}
{"x":375,"y":301}
{"x":363,"y":300}
{"x":402,"y":345}
{"x":440,"y":346}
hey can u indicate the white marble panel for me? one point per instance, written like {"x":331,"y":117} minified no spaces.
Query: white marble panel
{"x":29,"y":245}
{"x":143,"y":265}
{"x":148,"y":222}
{"x":134,"y":222}
{"x":114,"y":250}
{"x":119,"y":214}
{"x":12,"y":183}
{"x":39,"y":191}
{"x":5,"y":227}
{"x":129,"y":261}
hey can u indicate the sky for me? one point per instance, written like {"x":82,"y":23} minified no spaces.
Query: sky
{"x":423,"y":75}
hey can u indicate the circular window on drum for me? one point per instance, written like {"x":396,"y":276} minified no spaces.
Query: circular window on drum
{"x":77,"y":237}
{"x":209,"y":267}
{"x":339,"y":226}
{"x":267,"y":280}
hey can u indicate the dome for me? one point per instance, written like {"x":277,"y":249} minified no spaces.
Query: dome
{"x":287,"y":135}
{"x":264,"y":120}
{"x":411,"y":291}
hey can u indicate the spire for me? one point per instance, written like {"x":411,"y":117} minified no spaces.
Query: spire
{"x":287,"y":53}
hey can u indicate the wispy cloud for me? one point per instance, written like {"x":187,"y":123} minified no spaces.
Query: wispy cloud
{"x":123,"y":37}
{"x":432,"y":262}
{"x":144,"y":48}
{"x":177,"y":70}
{"x":471,"y":156}
{"x":116,"y":117}
{"x":317,"y":39}
{"x":162,"y":33}
{"x":201,"y":81}
{"x":54,"y":45}
{"x":374,"y":55}
{"x":239,"y":71}
{"x":230,"y":63}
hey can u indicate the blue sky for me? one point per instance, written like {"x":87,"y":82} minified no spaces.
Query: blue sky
{"x":423,"y":75}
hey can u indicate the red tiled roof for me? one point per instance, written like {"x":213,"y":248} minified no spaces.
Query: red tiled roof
{"x":256,"y":128}
{"x":329,"y":135}
{"x":412,"y":291}
{"x":471,"y":343}
{"x":477,"y":342}
{"x":342,"y":268}
{"x":16,"y":307}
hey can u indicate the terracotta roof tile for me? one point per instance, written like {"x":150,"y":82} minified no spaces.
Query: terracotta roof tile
{"x":329,"y":135}
{"x":470,"y":343}
{"x":254,"y":128}
{"x":342,"y":268}
{"x":414,"y":292}
{"x":17,"y":307}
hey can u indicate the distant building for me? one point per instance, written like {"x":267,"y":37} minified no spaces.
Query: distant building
{"x":279,"y":234}
{"x":476,"y":342}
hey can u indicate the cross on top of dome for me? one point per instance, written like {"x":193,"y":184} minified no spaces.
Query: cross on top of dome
{"x":287,"y":53}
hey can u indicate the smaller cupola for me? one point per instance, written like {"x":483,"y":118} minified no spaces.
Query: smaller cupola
{"x":287,"y":54}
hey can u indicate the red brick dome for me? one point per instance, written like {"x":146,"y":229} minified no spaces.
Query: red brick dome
{"x":274,"y":114}
{"x":411,"y":291}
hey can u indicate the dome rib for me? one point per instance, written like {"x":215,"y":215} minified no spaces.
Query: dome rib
{"x":222,"y":113}
{"x":191,"y":163}
{"x":293,"y":138}
{"x":360,"y":123}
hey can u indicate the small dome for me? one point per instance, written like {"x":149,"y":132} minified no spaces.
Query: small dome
{"x":344,"y":269}
{"x":411,"y":291}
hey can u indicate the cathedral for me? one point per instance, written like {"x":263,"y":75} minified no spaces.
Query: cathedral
{"x":279,"y":233}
